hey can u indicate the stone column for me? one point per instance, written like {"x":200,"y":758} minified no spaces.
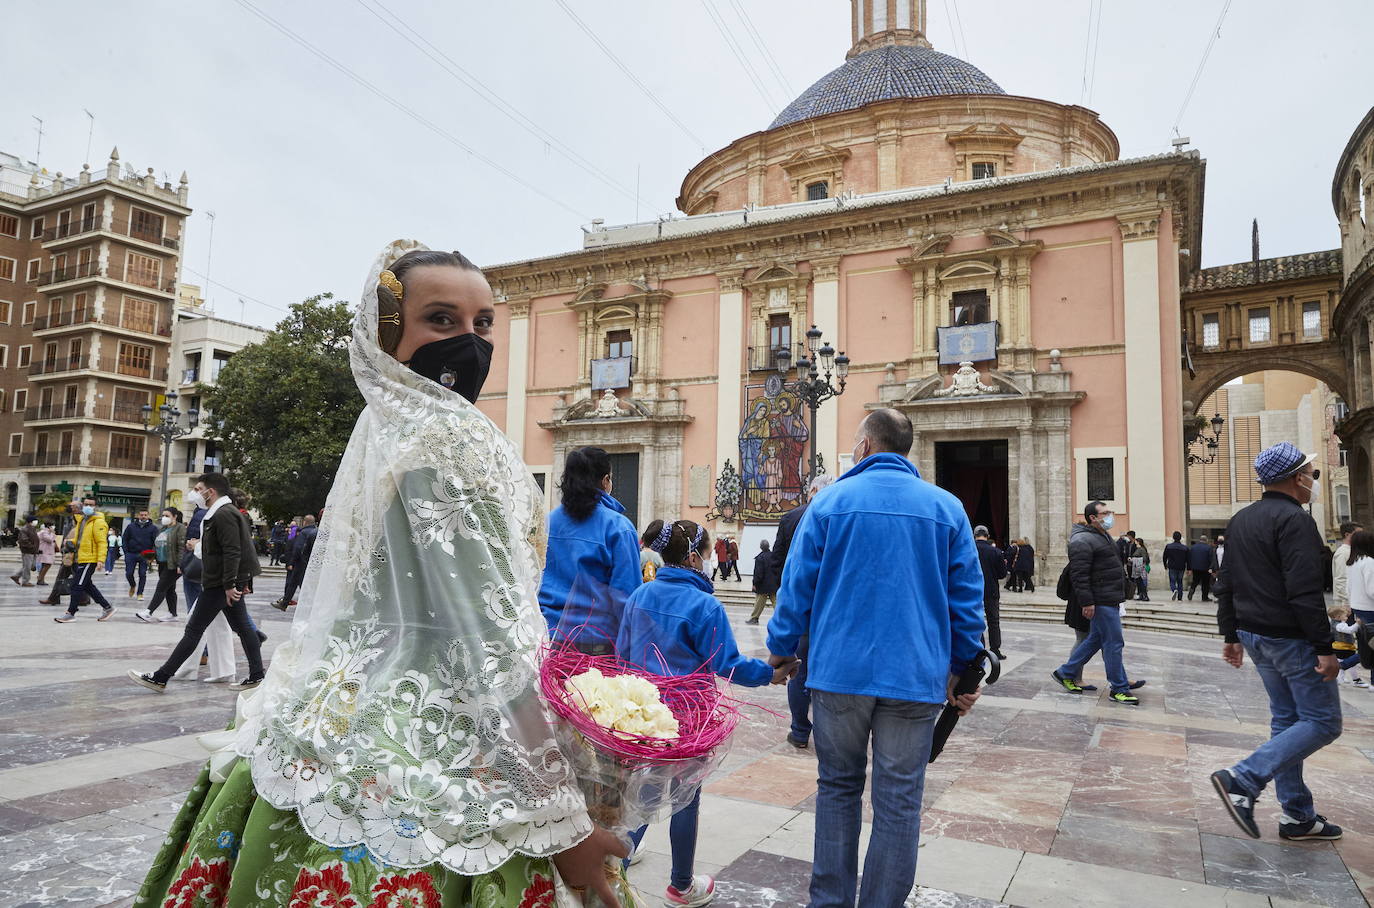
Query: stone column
{"x":825,"y":313}
{"x":517,"y":371}
{"x":729,"y":356}
{"x":1027,"y":494}
{"x":1145,"y":434}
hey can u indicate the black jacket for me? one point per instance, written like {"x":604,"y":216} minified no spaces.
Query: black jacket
{"x":994,"y":565}
{"x":767,"y":577}
{"x":1095,"y":568}
{"x":1123,"y":547}
{"x":1176,"y":557}
{"x":303,"y":546}
{"x":1200,"y":557}
{"x":1270,"y":582}
{"x":787,"y":528}
{"x":226,"y":550}
{"x":1025,"y":559}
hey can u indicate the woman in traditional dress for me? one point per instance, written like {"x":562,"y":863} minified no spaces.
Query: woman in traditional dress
{"x":398,"y":752}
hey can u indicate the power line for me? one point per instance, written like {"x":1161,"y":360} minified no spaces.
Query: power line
{"x":1097,"y":41}
{"x":240,"y":293}
{"x":408,"y":111}
{"x":740,"y":56}
{"x":1090,"y":49}
{"x":628,"y":74}
{"x":1216,"y":33}
{"x":763,"y":47}
{"x":485,"y":92}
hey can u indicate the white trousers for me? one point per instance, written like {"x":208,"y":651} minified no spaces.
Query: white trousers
{"x":219,"y":639}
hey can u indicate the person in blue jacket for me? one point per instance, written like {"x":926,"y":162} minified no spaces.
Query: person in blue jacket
{"x":592,"y":562}
{"x":674,"y":625}
{"x":885,"y":649}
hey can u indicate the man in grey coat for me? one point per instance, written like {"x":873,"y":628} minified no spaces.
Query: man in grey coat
{"x":1099,"y":586}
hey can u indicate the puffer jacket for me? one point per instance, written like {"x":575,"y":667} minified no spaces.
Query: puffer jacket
{"x":1095,"y":568}
{"x":94,"y":534}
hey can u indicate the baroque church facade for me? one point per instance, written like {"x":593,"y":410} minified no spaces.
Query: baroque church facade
{"x":986,"y":263}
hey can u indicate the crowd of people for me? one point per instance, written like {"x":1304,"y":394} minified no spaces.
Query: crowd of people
{"x":387,"y":695}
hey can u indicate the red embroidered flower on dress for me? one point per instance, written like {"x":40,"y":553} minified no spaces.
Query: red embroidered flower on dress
{"x":539,"y":894}
{"x":327,"y":887}
{"x":200,"y":884}
{"x":414,"y":890}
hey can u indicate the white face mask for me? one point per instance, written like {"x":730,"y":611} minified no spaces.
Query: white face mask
{"x":1316,"y":488}
{"x":166,"y":521}
{"x":195,"y":499}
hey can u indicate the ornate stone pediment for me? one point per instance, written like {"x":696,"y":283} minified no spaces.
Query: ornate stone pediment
{"x":965,"y":384}
{"x":607,"y":406}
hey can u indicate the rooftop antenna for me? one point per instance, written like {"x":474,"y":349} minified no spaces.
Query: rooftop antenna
{"x":1180,"y":142}
{"x":38,"y":155}
{"x":209,"y":254}
{"x":90,"y":134}
{"x":243,"y":307}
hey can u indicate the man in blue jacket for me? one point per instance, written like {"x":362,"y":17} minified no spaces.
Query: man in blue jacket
{"x":885,"y":648}
{"x":139,"y":537}
{"x":1200,"y":563}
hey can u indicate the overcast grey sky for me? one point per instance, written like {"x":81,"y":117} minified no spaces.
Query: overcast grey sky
{"x":309,"y":173}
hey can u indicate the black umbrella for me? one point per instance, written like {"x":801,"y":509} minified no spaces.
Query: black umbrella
{"x":968,"y":683}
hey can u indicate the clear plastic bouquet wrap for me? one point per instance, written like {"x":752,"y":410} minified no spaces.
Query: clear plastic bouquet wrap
{"x":640,"y":744}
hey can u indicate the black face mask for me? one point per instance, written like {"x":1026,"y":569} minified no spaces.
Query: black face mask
{"x":459,"y":363}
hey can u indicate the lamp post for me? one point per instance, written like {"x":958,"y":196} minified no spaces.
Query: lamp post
{"x":1193,"y":434}
{"x":168,"y":428}
{"x":815,"y":368}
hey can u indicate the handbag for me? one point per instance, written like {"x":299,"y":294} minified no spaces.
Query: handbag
{"x":1364,"y":646}
{"x":191,"y":568}
{"x":62,"y":587}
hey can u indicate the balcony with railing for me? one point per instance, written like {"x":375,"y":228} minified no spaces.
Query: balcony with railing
{"x":60,"y":364}
{"x":121,"y":413}
{"x":139,"y":277}
{"x":133,"y":368}
{"x":62,"y":458}
{"x":63,"y":410}
{"x":77,"y":318}
{"x":765,"y":359}
{"x":68,"y":318}
{"x":73,"y":228}
{"x":69,"y":273}
{"x":118,"y":460}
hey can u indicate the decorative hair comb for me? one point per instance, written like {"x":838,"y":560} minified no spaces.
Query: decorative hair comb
{"x":392,"y":283}
{"x":391,"y":318}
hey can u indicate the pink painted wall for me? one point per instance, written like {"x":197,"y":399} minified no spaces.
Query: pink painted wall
{"x":875,"y":308}
{"x":698,"y":444}
{"x":1076,"y":294}
{"x":538,"y":442}
{"x":553,"y":343}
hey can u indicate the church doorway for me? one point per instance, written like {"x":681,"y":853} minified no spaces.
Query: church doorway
{"x":976,"y":473}
{"x":625,"y":484}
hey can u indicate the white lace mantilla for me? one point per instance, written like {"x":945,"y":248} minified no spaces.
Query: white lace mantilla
{"x":403,"y":713}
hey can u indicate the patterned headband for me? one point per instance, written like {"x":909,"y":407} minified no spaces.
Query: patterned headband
{"x":696,"y":542}
{"x":661,"y":541}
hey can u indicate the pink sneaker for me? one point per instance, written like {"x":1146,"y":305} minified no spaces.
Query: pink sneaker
{"x":701,"y":892}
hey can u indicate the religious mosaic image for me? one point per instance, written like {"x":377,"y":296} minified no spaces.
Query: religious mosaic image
{"x":773,"y":453}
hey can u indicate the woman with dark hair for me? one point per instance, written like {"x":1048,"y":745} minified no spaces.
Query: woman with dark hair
{"x":398,"y":750}
{"x":593,"y":556}
{"x":1360,"y":575}
{"x":676,"y":626}
{"x":167,"y":546}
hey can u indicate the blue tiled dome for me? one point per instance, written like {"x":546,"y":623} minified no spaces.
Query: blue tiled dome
{"x":885,"y":73}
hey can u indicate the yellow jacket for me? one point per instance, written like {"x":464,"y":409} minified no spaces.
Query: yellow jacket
{"x":94,"y":534}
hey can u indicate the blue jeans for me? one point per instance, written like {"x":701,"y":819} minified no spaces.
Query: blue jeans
{"x":1104,"y":634}
{"x":799,"y":698}
{"x":111,"y":556}
{"x":901,"y":733}
{"x":1305,"y":716}
{"x":1176,"y":581}
{"x":682,"y":835}
{"x":137,"y":562}
{"x":1351,"y":661}
{"x":192,"y":591}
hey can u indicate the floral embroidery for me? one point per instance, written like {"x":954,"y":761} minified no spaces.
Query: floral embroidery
{"x":354,"y":854}
{"x":539,"y":894}
{"x":414,"y":890}
{"x":227,"y":841}
{"x":201,"y":885}
{"x":327,"y":887}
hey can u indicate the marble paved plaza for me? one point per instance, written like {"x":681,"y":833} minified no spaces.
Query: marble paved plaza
{"x":1041,"y":798}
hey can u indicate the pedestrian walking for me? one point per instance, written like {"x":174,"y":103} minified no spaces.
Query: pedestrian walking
{"x":1123,"y":546}
{"x":766,"y":580}
{"x":137,"y":542}
{"x":1340,"y":585}
{"x":88,"y":553}
{"x":675,"y":626}
{"x":276,"y":542}
{"x":1200,"y":566}
{"x":1270,"y":604}
{"x":229,"y":564}
{"x":1140,"y":570}
{"x":218,"y":653}
{"x":1013,"y":549}
{"x":884,"y":649}
{"x":1025,"y":567}
{"x":112,"y":550}
{"x":66,"y":555}
{"x":722,"y":555}
{"x":47,"y":551}
{"x":1360,"y":576}
{"x":593,"y":552}
{"x":1099,"y":587}
{"x":449,"y":608}
{"x":798,"y":696}
{"x":1175,"y":560}
{"x":168,"y":546}
{"x":298,"y":561}
{"x":994,"y":565}
{"x":27,"y":539}
{"x":732,"y":546}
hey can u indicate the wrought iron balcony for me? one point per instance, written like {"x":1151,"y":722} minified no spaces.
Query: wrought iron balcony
{"x":73,"y":228}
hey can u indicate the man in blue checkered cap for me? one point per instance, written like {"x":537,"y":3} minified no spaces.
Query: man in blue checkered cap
{"x":1271,"y":605}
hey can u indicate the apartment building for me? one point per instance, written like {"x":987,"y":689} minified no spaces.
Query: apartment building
{"x":88,"y":277}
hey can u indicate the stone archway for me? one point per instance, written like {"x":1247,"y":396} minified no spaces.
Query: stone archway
{"x":1326,"y":369}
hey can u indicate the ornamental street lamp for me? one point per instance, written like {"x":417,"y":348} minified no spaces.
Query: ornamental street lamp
{"x":815,"y":368}
{"x":169,"y":428}
{"x":1193,"y":433}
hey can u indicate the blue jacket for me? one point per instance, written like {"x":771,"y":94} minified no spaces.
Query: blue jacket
{"x":1199,"y":557}
{"x":884,"y":576}
{"x":587,"y":557}
{"x":139,"y":538}
{"x":674,"y":626}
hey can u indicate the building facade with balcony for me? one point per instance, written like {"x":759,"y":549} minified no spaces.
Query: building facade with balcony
{"x":202,"y":344}
{"x":922,"y":218}
{"x":88,"y":275}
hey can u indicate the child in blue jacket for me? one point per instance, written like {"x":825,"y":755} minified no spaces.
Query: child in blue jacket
{"x":675,"y":626}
